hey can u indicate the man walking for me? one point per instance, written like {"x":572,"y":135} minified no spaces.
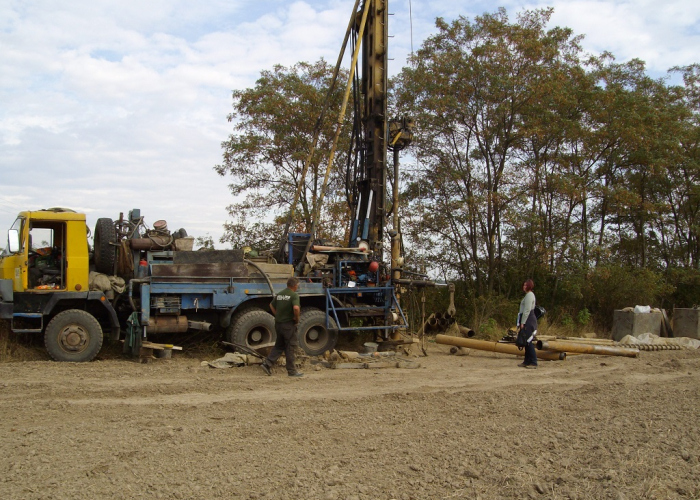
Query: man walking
{"x":285,"y":306}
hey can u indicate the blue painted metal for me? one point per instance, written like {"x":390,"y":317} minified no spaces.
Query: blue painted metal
{"x":145,"y":303}
{"x":390,"y":305}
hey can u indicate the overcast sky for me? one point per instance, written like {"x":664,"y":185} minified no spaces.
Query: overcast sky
{"x":107,"y":106}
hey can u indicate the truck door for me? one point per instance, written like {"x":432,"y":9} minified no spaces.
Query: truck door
{"x":46,"y":256}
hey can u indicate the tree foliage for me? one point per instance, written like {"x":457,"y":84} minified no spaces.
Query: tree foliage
{"x":531,"y":159}
{"x":273,"y":127}
{"x":536,"y":159}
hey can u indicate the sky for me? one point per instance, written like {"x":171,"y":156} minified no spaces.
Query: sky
{"x":107,"y":106}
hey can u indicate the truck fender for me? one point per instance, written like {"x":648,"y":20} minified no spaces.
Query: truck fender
{"x":225,"y":320}
{"x":89,"y":296}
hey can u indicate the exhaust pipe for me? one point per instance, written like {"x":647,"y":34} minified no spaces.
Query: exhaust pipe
{"x":200,"y":325}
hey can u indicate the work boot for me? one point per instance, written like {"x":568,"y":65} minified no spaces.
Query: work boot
{"x":296,"y":374}
{"x":266,"y":368}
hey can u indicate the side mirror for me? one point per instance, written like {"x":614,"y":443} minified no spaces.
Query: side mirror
{"x":13,"y":240}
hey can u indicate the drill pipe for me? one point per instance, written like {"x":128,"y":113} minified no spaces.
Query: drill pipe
{"x":484,"y":345}
{"x":466,"y":332}
{"x":605,"y":350}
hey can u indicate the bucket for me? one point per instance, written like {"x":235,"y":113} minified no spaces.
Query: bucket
{"x":164,"y":353}
{"x":371,"y":347}
{"x":184,"y":244}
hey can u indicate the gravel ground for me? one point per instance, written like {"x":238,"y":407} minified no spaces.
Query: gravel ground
{"x":473,"y":426}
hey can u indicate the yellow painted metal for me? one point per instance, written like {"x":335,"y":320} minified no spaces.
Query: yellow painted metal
{"x":485,"y":345}
{"x":317,"y":132}
{"x":70,"y":233}
{"x":339,"y":124}
{"x":564,"y":346}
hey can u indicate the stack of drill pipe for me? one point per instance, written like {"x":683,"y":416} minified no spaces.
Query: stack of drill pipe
{"x":432,"y":323}
{"x":484,"y":345}
{"x":424,"y":327}
{"x":581,"y":348}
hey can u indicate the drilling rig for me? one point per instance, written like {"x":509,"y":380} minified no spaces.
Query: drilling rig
{"x":168,"y":288}
{"x":362,"y":288}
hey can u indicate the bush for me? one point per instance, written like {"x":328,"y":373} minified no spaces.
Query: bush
{"x":614,"y":287}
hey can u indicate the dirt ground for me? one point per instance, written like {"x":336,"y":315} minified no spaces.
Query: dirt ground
{"x":475,"y":426}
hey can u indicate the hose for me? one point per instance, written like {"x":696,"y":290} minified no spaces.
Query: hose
{"x":226,"y":319}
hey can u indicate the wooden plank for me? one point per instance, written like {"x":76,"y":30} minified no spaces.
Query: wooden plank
{"x":153,"y":345}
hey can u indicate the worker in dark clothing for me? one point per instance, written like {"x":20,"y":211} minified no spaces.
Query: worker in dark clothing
{"x":285,"y":306}
{"x":527,"y":322}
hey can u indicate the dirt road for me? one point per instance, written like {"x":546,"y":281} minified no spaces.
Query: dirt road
{"x":473,"y":427}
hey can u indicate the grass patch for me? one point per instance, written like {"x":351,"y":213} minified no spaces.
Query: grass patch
{"x":20,"y":347}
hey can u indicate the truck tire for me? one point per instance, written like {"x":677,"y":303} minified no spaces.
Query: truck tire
{"x":314,"y":338}
{"x":73,"y":335}
{"x":252,"y":328}
{"x":105,"y":251}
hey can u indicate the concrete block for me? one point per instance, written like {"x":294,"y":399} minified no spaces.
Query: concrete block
{"x":686,"y":323}
{"x":630,"y":323}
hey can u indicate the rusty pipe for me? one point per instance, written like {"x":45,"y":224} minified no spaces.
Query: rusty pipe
{"x":466,"y":332}
{"x":554,"y":345}
{"x":484,"y":345}
{"x":200,"y":325}
{"x":167,"y":324}
{"x":424,"y":328}
{"x":155,"y":242}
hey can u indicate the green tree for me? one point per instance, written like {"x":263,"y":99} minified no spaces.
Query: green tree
{"x":473,"y":90}
{"x":273,"y":125}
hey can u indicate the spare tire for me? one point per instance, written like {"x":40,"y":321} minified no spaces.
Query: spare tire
{"x":105,"y":251}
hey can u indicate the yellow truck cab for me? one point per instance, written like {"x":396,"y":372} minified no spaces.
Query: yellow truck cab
{"x":44,"y":285}
{"x":48,"y":250}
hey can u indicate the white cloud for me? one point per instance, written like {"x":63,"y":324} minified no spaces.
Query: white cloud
{"x":107,"y":106}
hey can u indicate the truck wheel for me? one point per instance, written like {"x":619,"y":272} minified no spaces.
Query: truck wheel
{"x":314,"y":338}
{"x":252,"y":328}
{"x":73,"y":335}
{"x":105,"y":252}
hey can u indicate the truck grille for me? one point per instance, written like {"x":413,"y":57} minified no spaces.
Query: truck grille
{"x":166,"y":304}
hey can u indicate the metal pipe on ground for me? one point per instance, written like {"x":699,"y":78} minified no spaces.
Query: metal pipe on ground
{"x":485,"y":345}
{"x":581,"y":340}
{"x":425,"y":327}
{"x":466,"y":332}
{"x":564,"y":346}
{"x":459,"y":351}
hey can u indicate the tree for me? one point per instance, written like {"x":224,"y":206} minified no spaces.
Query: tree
{"x":473,"y":91}
{"x":273,"y":131}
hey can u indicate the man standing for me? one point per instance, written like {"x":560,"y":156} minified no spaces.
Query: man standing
{"x":285,"y":306}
